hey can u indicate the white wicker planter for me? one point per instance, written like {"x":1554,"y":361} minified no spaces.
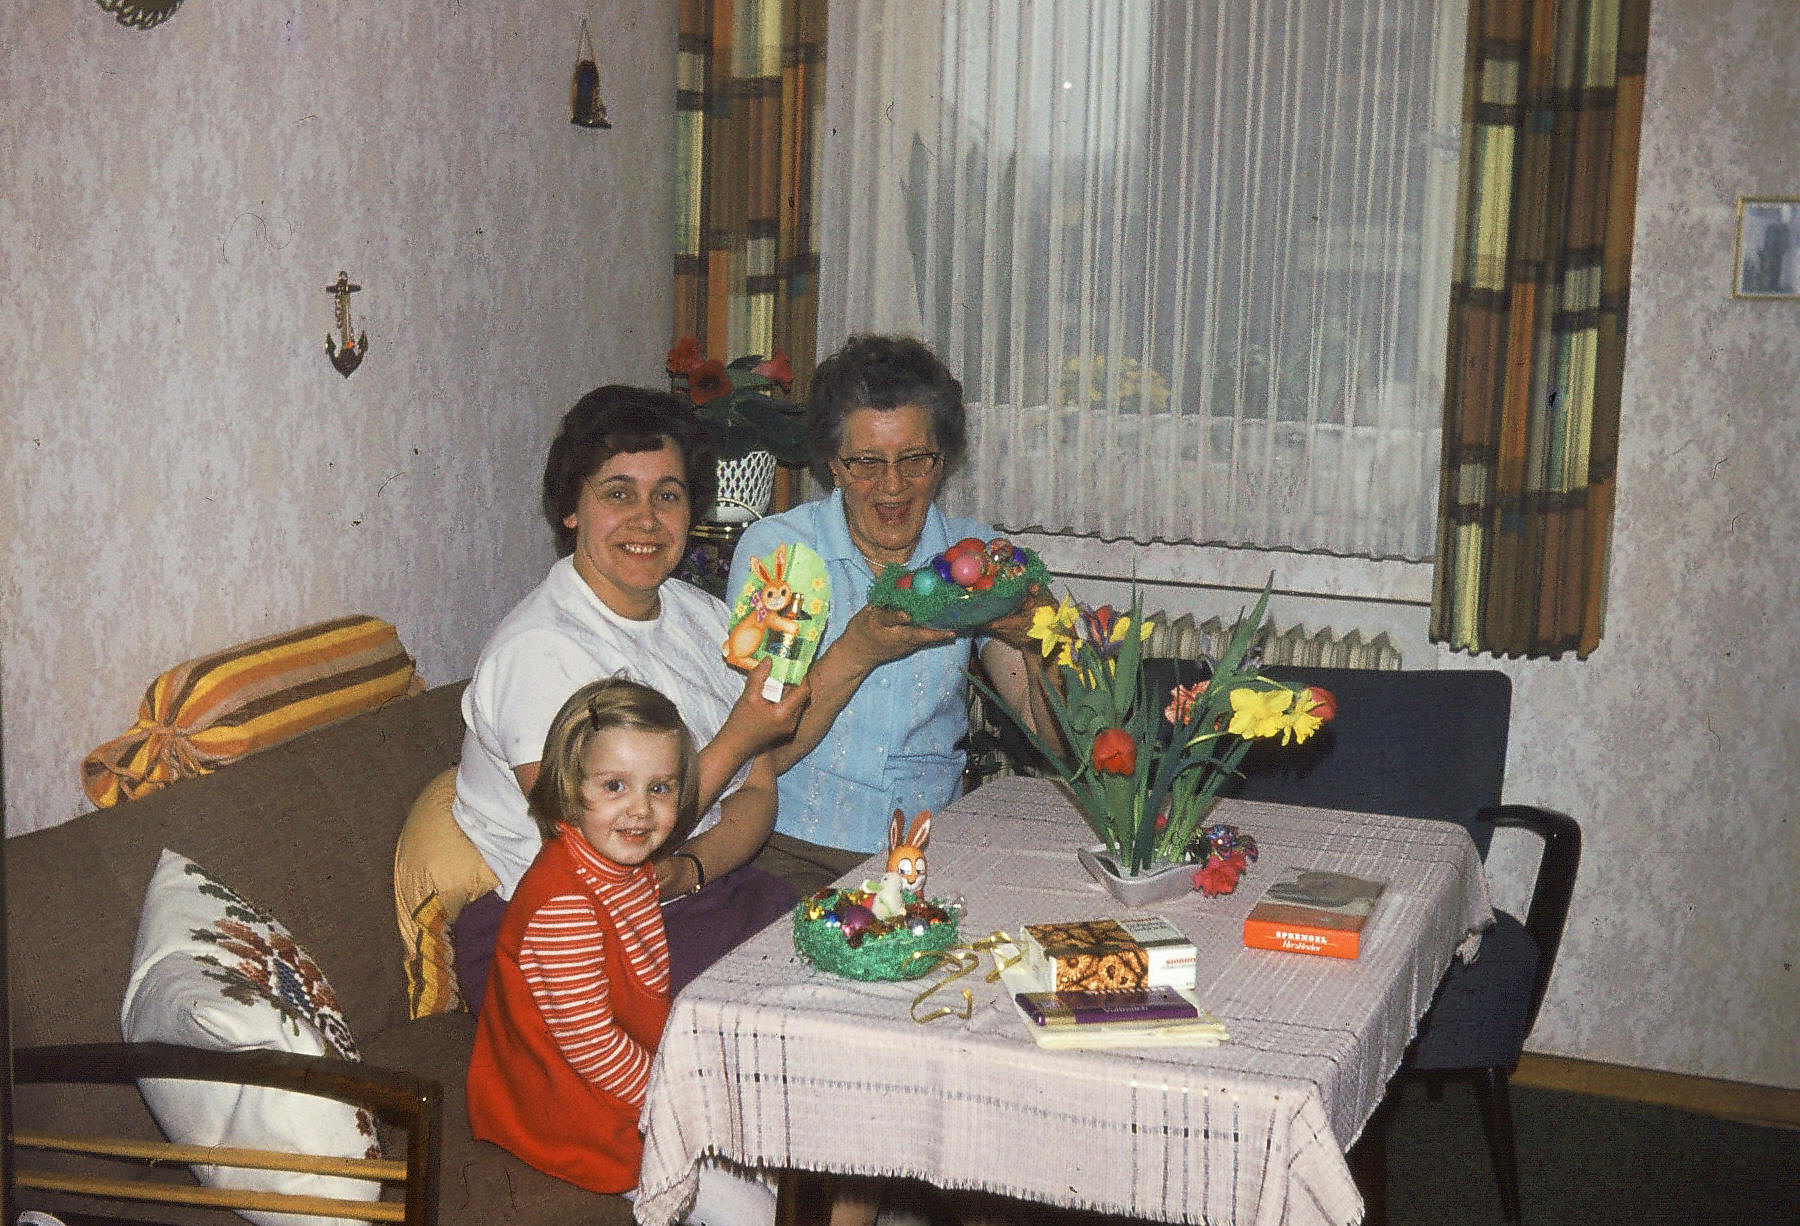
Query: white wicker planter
{"x":745,"y":488}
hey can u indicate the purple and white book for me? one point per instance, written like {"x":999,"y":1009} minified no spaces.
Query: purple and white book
{"x":1133,"y":1007}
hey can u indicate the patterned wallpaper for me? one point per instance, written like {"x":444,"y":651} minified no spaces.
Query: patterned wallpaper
{"x":1677,"y":743}
{"x":183,"y":468}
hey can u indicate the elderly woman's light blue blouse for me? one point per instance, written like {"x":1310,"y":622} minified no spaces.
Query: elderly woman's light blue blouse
{"x":898,"y":742}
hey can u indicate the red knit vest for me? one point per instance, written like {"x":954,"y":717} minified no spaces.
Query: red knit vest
{"x":522,"y":1094}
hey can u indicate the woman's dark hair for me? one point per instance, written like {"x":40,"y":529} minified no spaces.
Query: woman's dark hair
{"x":614,"y":420}
{"x":882,"y":372}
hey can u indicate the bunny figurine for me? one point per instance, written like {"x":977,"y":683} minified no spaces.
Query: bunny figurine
{"x":906,"y":852}
{"x":889,"y":903}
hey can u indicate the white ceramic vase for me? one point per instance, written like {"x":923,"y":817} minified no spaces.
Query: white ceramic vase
{"x":1155,"y":884}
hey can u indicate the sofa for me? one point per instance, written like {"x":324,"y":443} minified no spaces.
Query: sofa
{"x":306,"y":830}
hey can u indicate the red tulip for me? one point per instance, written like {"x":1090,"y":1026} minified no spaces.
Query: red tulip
{"x":707,"y":381}
{"x":1318,"y":702}
{"x":685,"y":356}
{"x":778,"y":370}
{"x":1115,"y":753}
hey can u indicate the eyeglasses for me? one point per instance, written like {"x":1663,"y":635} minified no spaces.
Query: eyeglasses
{"x":911,"y":467}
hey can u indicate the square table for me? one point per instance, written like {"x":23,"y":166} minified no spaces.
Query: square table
{"x":770,"y":1062}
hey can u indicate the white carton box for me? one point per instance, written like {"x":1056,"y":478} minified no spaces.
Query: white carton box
{"x":1108,"y":955}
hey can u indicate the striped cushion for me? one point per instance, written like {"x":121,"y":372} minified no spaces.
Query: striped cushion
{"x":207,"y":712}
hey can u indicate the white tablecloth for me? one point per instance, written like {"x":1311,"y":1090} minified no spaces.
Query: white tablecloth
{"x":772,"y":1063}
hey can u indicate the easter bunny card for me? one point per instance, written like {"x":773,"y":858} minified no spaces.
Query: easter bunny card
{"x":780,"y":615}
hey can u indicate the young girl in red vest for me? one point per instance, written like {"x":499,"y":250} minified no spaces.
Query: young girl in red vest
{"x":579,"y":989}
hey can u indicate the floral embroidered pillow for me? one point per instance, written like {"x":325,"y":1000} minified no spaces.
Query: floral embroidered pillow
{"x":213,"y":971}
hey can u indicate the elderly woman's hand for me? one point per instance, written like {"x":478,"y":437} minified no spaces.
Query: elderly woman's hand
{"x":876,"y":635}
{"x":1013,"y":629}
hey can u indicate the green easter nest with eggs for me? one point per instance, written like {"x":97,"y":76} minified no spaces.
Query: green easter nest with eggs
{"x":951,"y":593}
{"x":836,"y":932}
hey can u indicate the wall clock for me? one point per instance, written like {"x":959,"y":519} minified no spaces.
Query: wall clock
{"x":141,"y":13}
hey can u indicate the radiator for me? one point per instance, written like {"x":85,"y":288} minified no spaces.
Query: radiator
{"x":1183,"y":638}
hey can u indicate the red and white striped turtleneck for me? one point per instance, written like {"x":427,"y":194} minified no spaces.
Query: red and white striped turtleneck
{"x":563,"y":960}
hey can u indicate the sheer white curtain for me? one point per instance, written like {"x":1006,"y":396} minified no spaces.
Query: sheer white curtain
{"x":1190,"y":258}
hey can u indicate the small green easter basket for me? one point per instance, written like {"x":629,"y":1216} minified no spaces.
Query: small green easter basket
{"x":826,"y":924}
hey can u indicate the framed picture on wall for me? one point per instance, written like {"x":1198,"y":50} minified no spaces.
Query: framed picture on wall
{"x":1768,"y":248}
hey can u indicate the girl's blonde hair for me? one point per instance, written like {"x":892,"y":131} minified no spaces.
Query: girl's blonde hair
{"x":599,"y":707}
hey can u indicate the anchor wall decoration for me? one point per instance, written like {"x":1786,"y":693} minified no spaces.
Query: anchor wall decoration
{"x":348,"y":357}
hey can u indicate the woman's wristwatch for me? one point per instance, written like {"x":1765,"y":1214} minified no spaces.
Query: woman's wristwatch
{"x":699,"y":869}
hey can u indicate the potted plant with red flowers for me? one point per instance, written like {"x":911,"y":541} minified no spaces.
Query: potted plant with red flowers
{"x":1145,"y":769}
{"x":754,"y":424}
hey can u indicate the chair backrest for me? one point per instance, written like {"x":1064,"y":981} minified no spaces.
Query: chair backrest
{"x":1416,"y":743}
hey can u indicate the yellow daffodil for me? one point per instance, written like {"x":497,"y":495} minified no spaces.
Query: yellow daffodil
{"x":1259,"y":713}
{"x":1054,"y":628}
{"x":1301,"y":724}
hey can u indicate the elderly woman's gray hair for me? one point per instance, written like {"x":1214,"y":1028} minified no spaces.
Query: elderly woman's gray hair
{"x":882,"y":372}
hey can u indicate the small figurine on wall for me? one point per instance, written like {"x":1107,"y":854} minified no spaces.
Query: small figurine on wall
{"x":348,"y":357}
{"x":586,"y":109}
{"x":144,"y":14}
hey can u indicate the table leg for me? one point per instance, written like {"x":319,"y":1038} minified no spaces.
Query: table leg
{"x":1368,"y":1163}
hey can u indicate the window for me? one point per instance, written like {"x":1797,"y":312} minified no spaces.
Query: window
{"x":1190,"y":259}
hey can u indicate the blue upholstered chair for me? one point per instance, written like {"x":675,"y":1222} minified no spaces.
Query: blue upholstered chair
{"x":1432,"y":745}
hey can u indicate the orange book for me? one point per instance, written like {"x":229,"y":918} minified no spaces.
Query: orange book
{"x":1312,"y":911}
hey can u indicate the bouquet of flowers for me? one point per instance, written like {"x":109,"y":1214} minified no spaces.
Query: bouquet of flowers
{"x":1145,"y":768}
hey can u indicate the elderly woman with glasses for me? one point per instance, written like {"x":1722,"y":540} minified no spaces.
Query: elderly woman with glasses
{"x":889,"y":698}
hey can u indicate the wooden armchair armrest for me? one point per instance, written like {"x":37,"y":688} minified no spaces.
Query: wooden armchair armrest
{"x":399,"y":1099}
{"x":1555,"y":886}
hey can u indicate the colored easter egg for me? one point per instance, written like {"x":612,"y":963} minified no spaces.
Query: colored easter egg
{"x":904,"y":581}
{"x":982,"y":583}
{"x":925,"y":581}
{"x":855,"y":920}
{"x":941,"y":565}
{"x":968,"y":544}
{"x":966,"y":568}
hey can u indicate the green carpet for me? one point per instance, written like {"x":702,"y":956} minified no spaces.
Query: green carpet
{"x":1586,"y":1161}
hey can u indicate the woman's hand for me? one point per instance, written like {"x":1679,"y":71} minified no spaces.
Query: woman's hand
{"x":675,"y":876}
{"x":755,"y":723}
{"x":875,"y":635}
{"x":1013,"y":629}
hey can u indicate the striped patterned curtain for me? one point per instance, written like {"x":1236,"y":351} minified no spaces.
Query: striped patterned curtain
{"x":1551,"y":111}
{"x":749,"y":96}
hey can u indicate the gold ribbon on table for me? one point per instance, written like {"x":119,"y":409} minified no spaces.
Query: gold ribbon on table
{"x":961,"y":961}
